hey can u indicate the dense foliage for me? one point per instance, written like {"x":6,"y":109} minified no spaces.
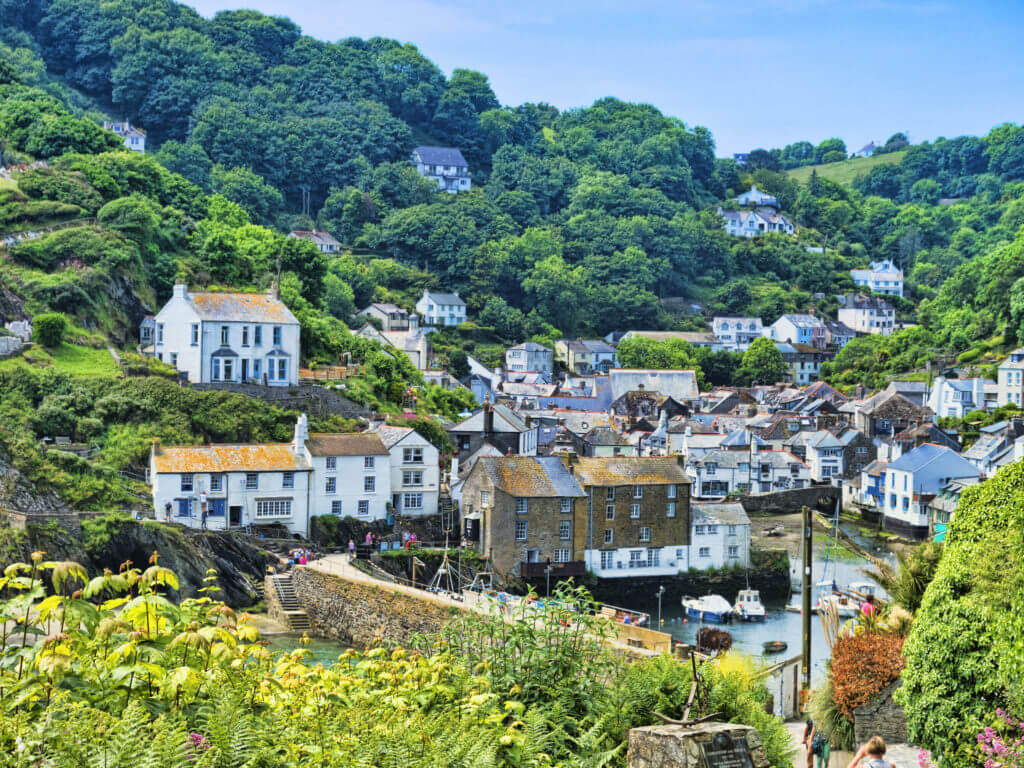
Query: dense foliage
{"x":964,"y":655}
{"x":861,"y":666}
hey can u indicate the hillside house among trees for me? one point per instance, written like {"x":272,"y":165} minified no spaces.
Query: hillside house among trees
{"x":441,"y":308}
{"x":868,"y":314}
{"x":134,"y":138}
{"x":755,"y":198}
{"x":882,"y":277}
{"x":444,"y":165}
{"x":218,"y":337}
{"x":755,"y":223}
{"x":324,"y":241}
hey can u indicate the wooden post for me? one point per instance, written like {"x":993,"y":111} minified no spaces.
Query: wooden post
{"x":805,"y":614}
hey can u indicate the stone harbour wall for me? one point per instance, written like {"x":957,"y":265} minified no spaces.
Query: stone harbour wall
{"x":362,"y":614}
{"x":820,"y":497}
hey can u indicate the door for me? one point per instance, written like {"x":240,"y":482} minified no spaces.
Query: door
{"x":235,"y":516}
{"x":184,"y":506}
{"x":245,"y":370}
{"x":217,"y":507}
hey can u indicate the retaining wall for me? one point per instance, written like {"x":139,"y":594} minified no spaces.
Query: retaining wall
{"x":821,"y":497}
{"x":308,"y":398}
{"x":881,"y":717}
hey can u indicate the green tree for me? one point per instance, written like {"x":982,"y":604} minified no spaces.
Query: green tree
{"x":260,"y":200}
{"x":49,"y":328}
{"x":762,"y":363}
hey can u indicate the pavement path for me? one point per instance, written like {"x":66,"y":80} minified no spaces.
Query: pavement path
{"x":902,"y":755}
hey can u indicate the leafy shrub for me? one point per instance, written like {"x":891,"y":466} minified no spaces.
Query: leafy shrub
{"x":49,"y":328}
{"x":862,"y":665}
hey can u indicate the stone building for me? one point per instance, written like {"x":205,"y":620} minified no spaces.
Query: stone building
{"x":495,"y":425}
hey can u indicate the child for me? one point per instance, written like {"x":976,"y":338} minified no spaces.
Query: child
{"x":874,"y":750}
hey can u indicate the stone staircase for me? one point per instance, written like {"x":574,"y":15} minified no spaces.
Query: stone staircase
{"x":298,"y":621}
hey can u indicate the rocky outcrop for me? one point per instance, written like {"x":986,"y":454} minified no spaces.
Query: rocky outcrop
{"x":18,"y":494}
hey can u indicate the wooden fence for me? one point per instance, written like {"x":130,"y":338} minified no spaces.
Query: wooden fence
{"x":330,"y":373}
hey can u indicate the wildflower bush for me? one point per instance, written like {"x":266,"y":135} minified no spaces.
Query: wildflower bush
{"x":109,"y":672}
{"x":862,"y":666}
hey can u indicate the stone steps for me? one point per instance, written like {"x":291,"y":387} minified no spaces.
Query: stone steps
{"x":297,"y":619}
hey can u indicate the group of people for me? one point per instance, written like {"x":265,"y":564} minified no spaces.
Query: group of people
{"x":870,"y":755}
{"x":299,"y":556}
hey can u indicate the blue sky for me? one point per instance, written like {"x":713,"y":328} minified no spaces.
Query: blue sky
{"x":756,"y":72}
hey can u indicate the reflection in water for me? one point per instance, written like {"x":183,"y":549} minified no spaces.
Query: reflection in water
{"x":321,"y":651}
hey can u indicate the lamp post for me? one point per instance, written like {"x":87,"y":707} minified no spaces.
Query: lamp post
{"x":661,"y":591}
{"x":547,"y":574}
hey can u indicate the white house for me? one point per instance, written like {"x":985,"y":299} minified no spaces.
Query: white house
{"x":955,"y":398}
{"x":229,"y":337}
{"x":722,"y":472}
{"x":822,"y":452}
{"x":755,"y":223}
{"x":444,"y":165}
{"x":798,"y":329}
{"x":529,"y":356}
{"x":679,"y":384}
{"x":913,"y":480}
{"x":868,"y":314}
{"x":441,"y":308}
{"x":415,"y":470}
{"x":134,"y":138}
{"x":691,"y":445}
{"x":882,"y":277}
{"x":755,"y":197}
{"x":324,"y":241}
{"x":737,"y":333}
{"x":343,"y":474}
{"x":719,"y":536}
{"x":391,"y":317}
{"x":1011,"y":379}
{"x":866,"y":151}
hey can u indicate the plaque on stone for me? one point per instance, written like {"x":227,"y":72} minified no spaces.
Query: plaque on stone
{"x":724,"y":751}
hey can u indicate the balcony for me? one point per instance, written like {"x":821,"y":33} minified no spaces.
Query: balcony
{"x":572,"y":569}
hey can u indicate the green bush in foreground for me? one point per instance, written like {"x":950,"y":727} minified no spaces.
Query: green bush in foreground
{"x":49,"y":328}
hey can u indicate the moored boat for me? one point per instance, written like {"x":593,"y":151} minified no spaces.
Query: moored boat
{"x":713,"y":608}
{"x":774,"y":646}
{"x":749,"y":606}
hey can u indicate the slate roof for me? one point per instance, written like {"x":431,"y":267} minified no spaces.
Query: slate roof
{"x":630,"y":470}
{"x":678,"y":384}
{"x":985,"y":446}
{"x":605,"y":436}
{"x":505,"y":420}
{"x":725,"y":514}
{"x":876,"y":468}
{"x":531,"y":476}
{"x":531,"y":346}
{"x":445,"y":299}
{"x":1009,"y":363}
{"x":732,"y":459}
{"x":389,"y":435}
{"x":920,"y":457}
{"x":346,"y":444}
{"x":741,"y":438}
{"x":259,"y":457}
{"x":241,"y":307}
{"x":803,"y":321}
{"x":440,"y":156}
{"x":860,"y":301}
{"x":817,"y":438}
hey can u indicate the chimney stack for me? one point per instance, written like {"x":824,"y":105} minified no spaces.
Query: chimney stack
{"x":301,"y":432}
{"x":180,"y":289}
{"x":488,"y":422}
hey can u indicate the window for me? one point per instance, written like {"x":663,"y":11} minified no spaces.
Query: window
{"x":331,"y":485}
{"x":364,"y":508}
{"x":215,"y":374}
{"x":174,"y":358}
{"x":225,"y":336}
{"x":336,"y":508}
{"x":282,"y":369}
{"x":412,"y":477}
{"x":273,"y":508}
{"x":609,"y":512}
{"x":216,"y":482}
{"x":522,"y":507}
{"x":252,"y":481}
{"x":653,"y":558}
{"x":710,"y":468}
{"x":732,"y":530}
{"x":671,"y":492}
{"x":734,"y":551}
{"x":368,"y":462}
{"x":245,"y":335}
{"x":906,"y":503}
{"x":679,"y":555}
{"x":332,"y":463}
{"x":229,"y":365}
{"x":698,"y":530}
{"x":609,"y":536}
{"x":521,"y":530}
{"x":905,"y":482}
{"x":369,"y":484}
{"x":187,"y":483}
{"x":561,"y":555}
{"x":671,"y":511}
{"x":610,"y":493}
{"x":195,"y":334}
{"x":276,"y":337}
{"x":704,"y":552}
{"x":892,"y":500}
{"x":565,"y":506}
{"x":159,"y":333}
{"x":638,"y":491}
{"x":485,"y":499}
{"x":712,"y":530}
{"x":634,"y":511}
{"x":565,"y":529}
{"x":607,"y":559}
{"x":412,"y":501}
{"x":412,"y":456}
{"x":257,"y":336}
{"x":637,"y":558}
{"x":288,"y":480}
{"x":645,"y":533}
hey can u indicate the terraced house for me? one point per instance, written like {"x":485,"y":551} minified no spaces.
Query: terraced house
{"x":617,"y":516}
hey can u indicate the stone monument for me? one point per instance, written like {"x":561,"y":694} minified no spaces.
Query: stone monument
{"x":707,"y":745}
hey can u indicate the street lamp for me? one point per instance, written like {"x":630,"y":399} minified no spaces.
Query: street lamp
{"x":547,"y":573}
{"x":661,"y":591}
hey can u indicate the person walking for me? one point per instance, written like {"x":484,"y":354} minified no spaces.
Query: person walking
{"x":874,"y":751}
{"x":351,"y":550}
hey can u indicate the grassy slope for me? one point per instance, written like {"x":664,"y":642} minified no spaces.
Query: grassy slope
{"x":71,"y":359}
{"x":846,"y":171}
{"x":7,"y":184}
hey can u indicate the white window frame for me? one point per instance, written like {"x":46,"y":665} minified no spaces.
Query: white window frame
{"x":413,"y":500}
{"x":521,"y":530}
{"x":522,"y":506}
{"x":331,"y":463}
{"x":609,"y":535}
{"x":645,"y":533}
{"x":331,"y":485}
{"x":609,"y":512}
{"x":565,"y":505}
{"x":370,"y":484}
{"x":565,"y":530}
{"x":562,"y":555}
{"x":634,"y":511}
{"x":273,"y":508}
{"x":252,"y":481}
{"x":638,"y":491}
{"x":412,"y":455}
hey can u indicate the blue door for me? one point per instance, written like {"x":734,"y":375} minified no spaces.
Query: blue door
{"x":217,"y":507}
{"x":184,"y":506}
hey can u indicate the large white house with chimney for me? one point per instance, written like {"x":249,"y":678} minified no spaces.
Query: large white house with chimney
{"x":223,"y":486}
{"x":216,"y":337}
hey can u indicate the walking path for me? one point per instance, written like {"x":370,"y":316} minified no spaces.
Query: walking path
{"x":903,"y":755}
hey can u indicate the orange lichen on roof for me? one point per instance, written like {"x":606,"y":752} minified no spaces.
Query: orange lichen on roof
{"x":531,"y":476}
{"x":267,"y":457}
{"x":346,"y":444}
{"x":630,"y":470}
{"x":253,"y":307}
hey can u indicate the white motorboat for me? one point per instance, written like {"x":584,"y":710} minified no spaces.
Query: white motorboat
{"x":829,"y":593}
{"x":713,"y":608}
{"x":748,"y":606}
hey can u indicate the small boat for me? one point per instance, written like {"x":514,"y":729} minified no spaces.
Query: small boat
{"x":774,"y":646}
{"x":713,"y":608}
{"x":829,"y":593}
{"x":865,"y":589}
{"x":749,"y":606}
{"x":775,"y":530}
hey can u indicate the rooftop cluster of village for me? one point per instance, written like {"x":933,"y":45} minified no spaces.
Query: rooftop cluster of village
{"x":572,"y":459}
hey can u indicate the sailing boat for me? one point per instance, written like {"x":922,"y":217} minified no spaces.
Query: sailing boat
{"x":829,"y":592}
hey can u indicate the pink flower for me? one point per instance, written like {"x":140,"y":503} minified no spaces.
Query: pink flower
{"x":867,"y":608}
